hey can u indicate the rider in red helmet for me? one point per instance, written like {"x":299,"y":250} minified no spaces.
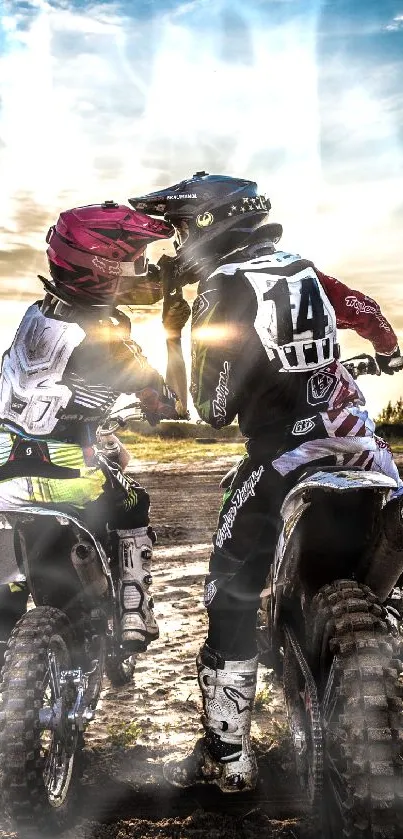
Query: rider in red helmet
{"x":97,"y":256}
{"x":70,"y":359}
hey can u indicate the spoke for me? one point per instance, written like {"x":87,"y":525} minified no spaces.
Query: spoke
{"x":331,"y":697}
{"x":46,"y":771}
{"x":54,"y":675}
{"x":57,"y":763}
{"x":334,"y":772}
{"x":51,"y":772}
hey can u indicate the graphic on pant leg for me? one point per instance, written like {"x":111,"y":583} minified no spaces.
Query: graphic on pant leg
{"x":238,"y":500}
{"x":303,"y":426}
{"x":210,"y":591}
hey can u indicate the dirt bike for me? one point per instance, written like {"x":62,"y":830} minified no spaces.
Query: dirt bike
{"x":58,"y":652}
{"x":336,"y":648}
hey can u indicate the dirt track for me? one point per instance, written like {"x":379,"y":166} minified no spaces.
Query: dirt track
{"x":138,"y":726}
{"x":129,"y":796}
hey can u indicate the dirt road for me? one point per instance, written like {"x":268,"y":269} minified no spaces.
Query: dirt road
{"x":139,"y":726}
{"x":124,"y":793}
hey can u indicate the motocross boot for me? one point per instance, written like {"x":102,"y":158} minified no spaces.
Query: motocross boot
{"x":138,"y":624}
{"x":223,"y":756}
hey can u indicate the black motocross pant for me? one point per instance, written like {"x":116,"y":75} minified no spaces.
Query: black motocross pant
{"x":244,"y":545}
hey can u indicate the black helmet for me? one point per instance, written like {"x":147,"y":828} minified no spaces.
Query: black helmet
{"x":213,"y":214}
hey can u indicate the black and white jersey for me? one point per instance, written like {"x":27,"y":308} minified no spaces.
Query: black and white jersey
{"x":59,"y":377}
{"x":264,"y":345}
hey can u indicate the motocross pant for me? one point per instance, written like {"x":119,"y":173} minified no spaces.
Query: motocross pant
{"x":242,"y":553}
{"x":244,"y":544}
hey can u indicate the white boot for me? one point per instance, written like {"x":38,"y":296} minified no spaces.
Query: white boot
{"x":224,"y":755}
{"x":138,"y":624}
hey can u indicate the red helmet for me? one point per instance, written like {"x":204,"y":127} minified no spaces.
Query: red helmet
{"x":97,"y":256}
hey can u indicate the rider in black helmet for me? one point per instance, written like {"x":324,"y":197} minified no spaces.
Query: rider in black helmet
{"x":265,"y":349}
{"x":212,"y":215}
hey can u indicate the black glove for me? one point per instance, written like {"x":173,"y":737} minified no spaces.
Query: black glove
{"x":389,"y":364}
{"x":176,"y":315}
{"x":168,"y":267}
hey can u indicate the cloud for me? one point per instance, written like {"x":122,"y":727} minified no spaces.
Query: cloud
{"x":396,"y":24}
{"x":108,"y":98}
{"x":105,"y":100}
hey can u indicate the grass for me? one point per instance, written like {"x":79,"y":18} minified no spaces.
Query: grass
{"x":165,"y":450}
{"x":187,"y":450}
{"x":124,"y":734}
{"x":264,"y":699}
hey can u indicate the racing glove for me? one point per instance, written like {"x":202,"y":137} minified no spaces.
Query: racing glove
{"x":126,"y":510}
{"x":175,"y":310}
{"x":158,"y":406}
{"x":389,"y":364}
{"x":176,"y":315}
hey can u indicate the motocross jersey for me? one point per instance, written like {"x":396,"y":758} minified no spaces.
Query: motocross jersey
{"x":59,"y":377}
{"x":264,"y":347}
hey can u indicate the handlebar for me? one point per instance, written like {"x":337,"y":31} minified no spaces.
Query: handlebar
{"x":364,"y":364}
{"x":110,"y":455}
{"x":113,"y":421}
{"x":361,"y":365}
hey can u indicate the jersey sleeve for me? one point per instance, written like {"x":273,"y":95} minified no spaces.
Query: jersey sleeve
{"x":221,"y":323}
{"x":355,"y":310}
{"x":111,"y":358}
{"x":132,"y":371}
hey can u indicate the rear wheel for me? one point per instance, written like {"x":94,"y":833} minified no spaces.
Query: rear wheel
{"x":361,"y":708}
{"x":40,"y":765}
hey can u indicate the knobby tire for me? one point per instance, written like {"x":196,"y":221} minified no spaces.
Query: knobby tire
{"x":34,"y":806}
{"x":358,"y":670}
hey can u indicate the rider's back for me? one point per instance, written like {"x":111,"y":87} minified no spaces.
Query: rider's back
{"x":278,"y":330}
{"x":64,"y":370}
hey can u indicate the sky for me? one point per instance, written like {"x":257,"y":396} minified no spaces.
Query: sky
{"x":112,"y":99}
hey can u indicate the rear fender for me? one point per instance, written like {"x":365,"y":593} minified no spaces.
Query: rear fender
{"x":300,"y":498}
{"x":31,"y":563}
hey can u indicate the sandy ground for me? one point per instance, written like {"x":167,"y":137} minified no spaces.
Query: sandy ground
{"x":124,"y":793}
{"x":138,"y":726}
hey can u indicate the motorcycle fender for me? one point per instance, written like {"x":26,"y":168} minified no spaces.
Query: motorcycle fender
{"x":297,"y":500}
{"x":344,"y":480}
{"x":283,"y":554}
{"x":64,"y":519}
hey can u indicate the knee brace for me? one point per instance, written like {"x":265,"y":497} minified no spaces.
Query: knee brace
{"x":231,"y":600}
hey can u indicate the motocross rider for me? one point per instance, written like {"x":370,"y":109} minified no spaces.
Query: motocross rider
{"x":70,"y":359}
{"x":264,"y":347}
